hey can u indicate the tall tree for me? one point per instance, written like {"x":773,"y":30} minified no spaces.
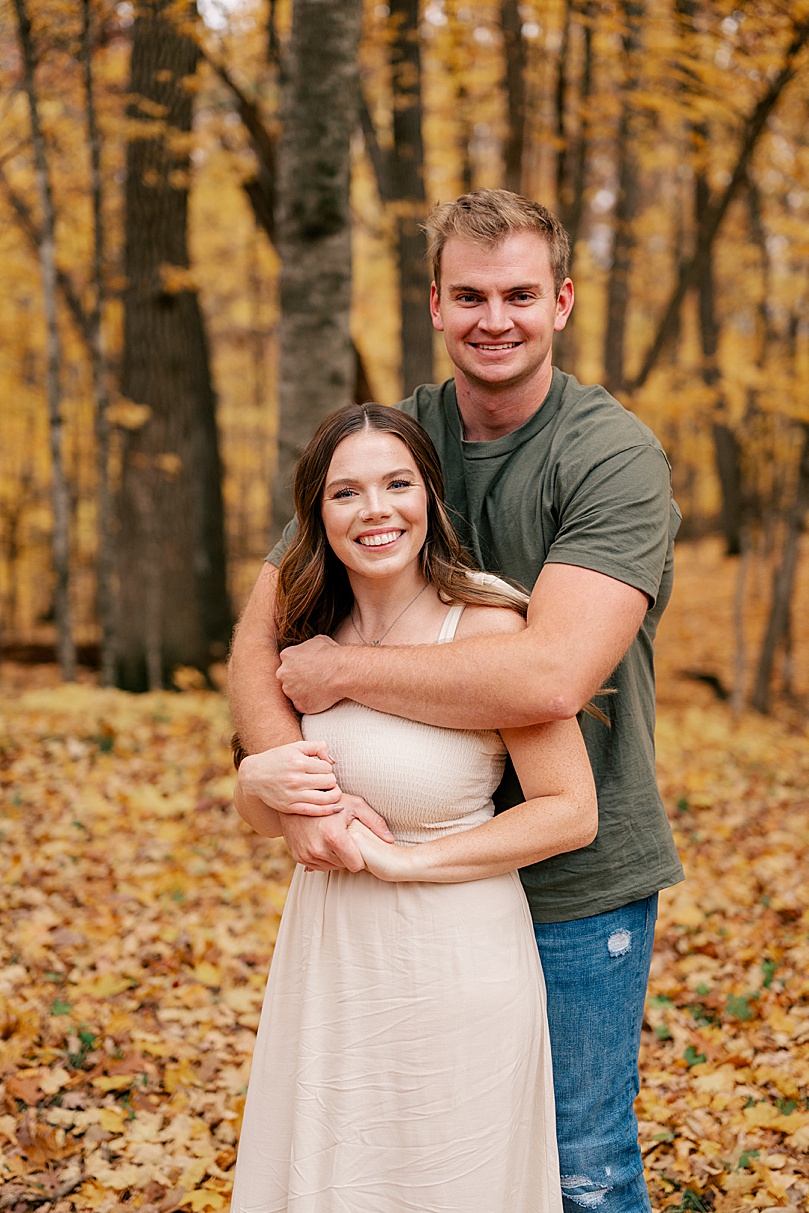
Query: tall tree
{"x":727,"y":450}
{"x":60,"y":499}
{"x":409,"y":198}
{"x":626,"y":204}
{"x":783,"y":583}
{"x":316,"y":371}
{"x":572,"y":128}
{"x":171,"y":571}
{"x":399,"y":172}
{"x":105,"y":561}
{"x":515,"y":66}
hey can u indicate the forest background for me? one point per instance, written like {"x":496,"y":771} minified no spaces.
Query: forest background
{"x":209,"y":237}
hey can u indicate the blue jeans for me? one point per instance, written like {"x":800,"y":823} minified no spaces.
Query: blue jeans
{"x":596,"y":971}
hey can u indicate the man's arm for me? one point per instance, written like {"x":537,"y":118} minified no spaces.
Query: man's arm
{"x":262,"y":714}
{"x":580,"y":624}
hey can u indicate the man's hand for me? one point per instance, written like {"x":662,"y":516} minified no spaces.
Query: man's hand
{"x":294,"y":778}
{"x":304,"y":674}
{"x":324,"y":843}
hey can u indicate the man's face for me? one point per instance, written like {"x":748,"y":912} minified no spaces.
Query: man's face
{"x":498,"y":310}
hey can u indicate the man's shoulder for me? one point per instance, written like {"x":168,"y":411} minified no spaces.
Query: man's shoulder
{"x":588,"y":414}
{"x":427,"y":399}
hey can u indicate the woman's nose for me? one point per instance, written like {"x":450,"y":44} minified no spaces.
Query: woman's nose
{"x":375,"y":505}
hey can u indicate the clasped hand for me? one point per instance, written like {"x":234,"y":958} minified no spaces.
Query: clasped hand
{"x":355,"y":838}
{"x":344,"y":840}
{"x":304,"y":674}
{"x":298,"y":781}
{"x":294,"y":778}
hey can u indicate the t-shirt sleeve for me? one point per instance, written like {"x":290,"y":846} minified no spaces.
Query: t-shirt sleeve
{"x":618,"y":519}
{"x":288,"y":534}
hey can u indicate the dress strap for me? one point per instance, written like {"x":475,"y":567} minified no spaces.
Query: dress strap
{"x":450,"y":624}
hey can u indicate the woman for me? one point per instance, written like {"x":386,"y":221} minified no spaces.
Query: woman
{"x":402,"y":1061}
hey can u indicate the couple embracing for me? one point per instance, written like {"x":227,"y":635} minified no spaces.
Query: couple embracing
{"x":440,"y":1034}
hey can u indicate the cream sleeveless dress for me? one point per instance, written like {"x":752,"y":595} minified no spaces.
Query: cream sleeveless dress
{"x":402,"y":1062}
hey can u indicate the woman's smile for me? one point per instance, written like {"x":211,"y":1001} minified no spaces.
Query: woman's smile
{"x":377,"y":539}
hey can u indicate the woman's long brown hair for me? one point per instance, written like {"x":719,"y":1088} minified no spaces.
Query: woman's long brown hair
{"x":314,"y":593}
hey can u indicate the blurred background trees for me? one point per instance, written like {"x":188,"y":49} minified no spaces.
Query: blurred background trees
{"x":236,"y":192}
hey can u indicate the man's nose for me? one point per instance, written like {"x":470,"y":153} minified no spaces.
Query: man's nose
{"x":496,"y":318}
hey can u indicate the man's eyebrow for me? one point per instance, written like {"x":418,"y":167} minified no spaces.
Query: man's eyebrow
{"x":459,"y":288}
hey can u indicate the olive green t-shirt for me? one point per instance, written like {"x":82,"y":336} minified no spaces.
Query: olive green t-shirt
{"x":582,"y":482}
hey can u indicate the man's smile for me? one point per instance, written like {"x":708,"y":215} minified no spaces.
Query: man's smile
{"x":503,"y":345}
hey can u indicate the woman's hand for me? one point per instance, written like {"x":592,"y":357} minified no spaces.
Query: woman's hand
{"x":383,"y":859}
{"x":326,"y":844}
{"x":294,"y":778}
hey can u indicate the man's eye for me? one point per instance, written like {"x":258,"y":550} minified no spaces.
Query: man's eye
{"x":523,"y":297}
{"x":467,"y":298}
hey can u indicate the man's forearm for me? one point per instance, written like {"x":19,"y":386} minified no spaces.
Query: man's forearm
{"x":484,"y":682}
{"x":263,"y":716}
{"x":580,"y":624}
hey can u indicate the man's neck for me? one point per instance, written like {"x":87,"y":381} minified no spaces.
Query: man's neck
{"x":490,"y":412}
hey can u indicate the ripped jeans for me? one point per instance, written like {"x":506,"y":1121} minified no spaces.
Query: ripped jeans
{"x":596,"y":972}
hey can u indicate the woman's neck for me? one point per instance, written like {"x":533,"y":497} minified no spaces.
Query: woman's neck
{"x":380,"y":603}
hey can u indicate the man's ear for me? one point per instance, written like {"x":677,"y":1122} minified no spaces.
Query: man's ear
{"x":564,"y":306}
{"x":435,"y":308}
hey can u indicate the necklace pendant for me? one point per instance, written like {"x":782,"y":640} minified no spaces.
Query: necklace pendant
{"x":376,"y":643}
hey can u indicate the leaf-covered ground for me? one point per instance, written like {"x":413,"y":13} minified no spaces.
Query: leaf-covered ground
{"x":139,"y":916}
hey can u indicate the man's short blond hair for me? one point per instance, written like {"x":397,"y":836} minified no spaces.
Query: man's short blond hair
{"x":486,"y":218}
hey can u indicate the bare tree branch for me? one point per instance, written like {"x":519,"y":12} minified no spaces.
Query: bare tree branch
{"x":34,"y":237}
{"x":711,"y":218}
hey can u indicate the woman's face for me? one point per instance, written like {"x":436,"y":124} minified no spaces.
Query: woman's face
{"x":374,"y":505}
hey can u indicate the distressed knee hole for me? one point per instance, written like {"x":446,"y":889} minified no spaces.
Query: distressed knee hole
{"x":620,"y":942}
{"x":590,"y":1199}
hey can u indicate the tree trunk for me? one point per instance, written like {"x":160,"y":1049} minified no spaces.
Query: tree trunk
{"x":571,"y":164}
{"x":174,"y":608}
{"x":727,"y":450}
{"x":105,"y":559}
{"x":60,"y":500}
{"x":783,"y":584}
{"x":572,"y":160}
{"x":515,"y":62}
{"x":261,"y":190}
{"x":740,"y":655}
{"x":408,"y":197}
{"x":399,"y":175}
{"x":626,"y":205}
{"x":316,"y":372}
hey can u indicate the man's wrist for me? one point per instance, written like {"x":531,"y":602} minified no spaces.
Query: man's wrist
{"x":342,"y":675}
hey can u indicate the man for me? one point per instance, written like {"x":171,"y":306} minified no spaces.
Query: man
{"x":558,"y":487}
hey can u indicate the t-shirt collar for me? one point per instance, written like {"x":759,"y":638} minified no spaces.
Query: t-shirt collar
{"x":493,"y":447}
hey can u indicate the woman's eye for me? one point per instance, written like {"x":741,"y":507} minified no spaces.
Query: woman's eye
{"x":342,"y":493}
{"x":400,"y":484}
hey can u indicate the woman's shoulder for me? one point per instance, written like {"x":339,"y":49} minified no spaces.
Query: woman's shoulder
{"x":488,"y":621}
{"x":482,"y":618}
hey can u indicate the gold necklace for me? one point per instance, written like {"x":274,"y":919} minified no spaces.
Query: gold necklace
{"x":373,"y":644}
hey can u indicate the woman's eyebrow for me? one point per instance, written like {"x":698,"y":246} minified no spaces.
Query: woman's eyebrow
{"x":387,"y":476}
